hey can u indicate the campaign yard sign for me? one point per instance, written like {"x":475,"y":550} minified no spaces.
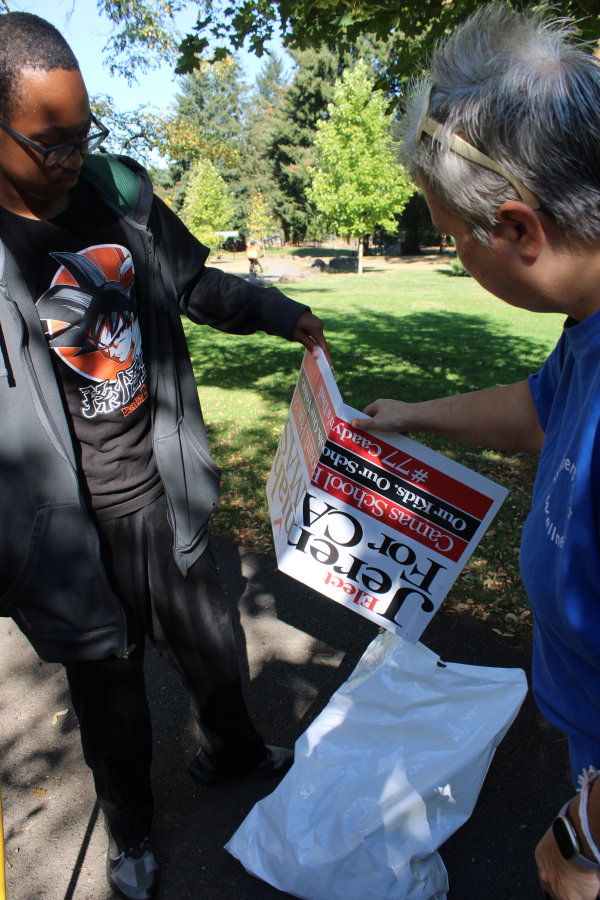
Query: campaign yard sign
{"x":377,"y":522}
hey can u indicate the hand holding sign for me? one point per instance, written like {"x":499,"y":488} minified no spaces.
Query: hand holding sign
{"x":308,"y":331}
{"x":389,"y":415}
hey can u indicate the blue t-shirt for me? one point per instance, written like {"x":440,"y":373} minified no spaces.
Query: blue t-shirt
{"x":560,"y":550}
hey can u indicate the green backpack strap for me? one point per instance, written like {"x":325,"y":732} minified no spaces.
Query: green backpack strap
{"x":113,"y":179}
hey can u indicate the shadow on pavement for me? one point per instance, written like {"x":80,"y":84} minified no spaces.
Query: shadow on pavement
{"x":297,"y":648}
{"x":300,"y":648}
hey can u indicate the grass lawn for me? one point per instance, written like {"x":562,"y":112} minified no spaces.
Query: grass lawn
{"x":413,"y":333}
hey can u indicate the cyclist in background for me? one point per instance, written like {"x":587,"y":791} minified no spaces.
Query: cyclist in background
{"x":253,"y":254}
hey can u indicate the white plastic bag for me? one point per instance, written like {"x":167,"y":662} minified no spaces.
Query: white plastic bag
{"x":387,"y":772}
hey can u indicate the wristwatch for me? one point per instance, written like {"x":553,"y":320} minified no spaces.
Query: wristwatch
{"x":568,"y":842}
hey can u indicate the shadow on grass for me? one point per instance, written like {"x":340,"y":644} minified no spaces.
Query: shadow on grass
{"x":367,"y":270}
{"x":413,"y":357}
{"x":450,"y":274}
{"x":318,"y":252}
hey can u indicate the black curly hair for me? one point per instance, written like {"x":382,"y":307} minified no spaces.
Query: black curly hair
{"x":28,"y":42}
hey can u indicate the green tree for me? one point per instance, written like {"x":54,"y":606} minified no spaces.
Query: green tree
{"x":295,"y":114}
{"x":292,"y":144}
{"x":206,"y":123}
{"x":252,"y":172}
{"x":358,"y":183}
{"x":211,"y":103}
{"x":207,"y":207}
{"x":260,"y":218}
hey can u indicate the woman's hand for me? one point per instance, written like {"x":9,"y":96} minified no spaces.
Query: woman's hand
{"x":389,"y":415}
{"x":562,"y":879}
{"x":502,"y":418}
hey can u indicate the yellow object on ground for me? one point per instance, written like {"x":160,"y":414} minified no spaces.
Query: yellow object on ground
{"x":2,"y":878}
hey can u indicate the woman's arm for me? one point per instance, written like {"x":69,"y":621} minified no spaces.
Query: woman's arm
{"x":501,"y":418}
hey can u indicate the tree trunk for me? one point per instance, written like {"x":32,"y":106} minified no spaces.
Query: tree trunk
{"x":411,"y":242}
{"x":335,"y":240}
{"x":360,"y":254}
{"x":410,"y":222}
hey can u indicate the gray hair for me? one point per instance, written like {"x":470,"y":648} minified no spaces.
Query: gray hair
{"x":518,"y":87}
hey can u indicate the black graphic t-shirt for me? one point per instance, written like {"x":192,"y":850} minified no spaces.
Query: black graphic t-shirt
{"x":81,"y":277}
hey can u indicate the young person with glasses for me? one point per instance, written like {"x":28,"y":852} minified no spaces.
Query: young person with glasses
{"x":106,"y":483}
{"x":59,"y":153}
{"x":503,"y":137}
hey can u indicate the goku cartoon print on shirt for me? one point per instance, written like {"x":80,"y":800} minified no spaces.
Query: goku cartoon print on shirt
{"x":90,"y":319}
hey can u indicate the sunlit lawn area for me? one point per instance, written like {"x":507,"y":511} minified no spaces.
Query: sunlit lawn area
{"x":412,"y":333}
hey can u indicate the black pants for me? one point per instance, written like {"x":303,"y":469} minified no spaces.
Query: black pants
{"x":189,"y":623}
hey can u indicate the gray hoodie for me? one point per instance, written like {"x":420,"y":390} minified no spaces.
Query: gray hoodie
{"x":52,"y":579}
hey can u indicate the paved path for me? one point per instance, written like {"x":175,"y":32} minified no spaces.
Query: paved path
{"x":273,"y":267}
{"x":299,"y":647}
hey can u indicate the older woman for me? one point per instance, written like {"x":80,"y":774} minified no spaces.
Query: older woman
{"x":504,"y":139}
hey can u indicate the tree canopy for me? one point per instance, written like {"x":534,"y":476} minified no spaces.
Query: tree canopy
{"x":411,"y":28}
{"x":218,"y":117}
{"x":135,"y":133}
{"x":260,"y":138}
{"x":358,"y":183}
{"x":206,"y":123}
{"x":209,"y":113}
{"x":144,"y":32}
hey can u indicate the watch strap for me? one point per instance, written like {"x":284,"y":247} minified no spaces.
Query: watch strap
{"x":582,"y":861}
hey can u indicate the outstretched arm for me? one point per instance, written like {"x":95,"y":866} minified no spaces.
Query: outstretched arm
{"x":209,"y":296}
{"x":501,"y":418}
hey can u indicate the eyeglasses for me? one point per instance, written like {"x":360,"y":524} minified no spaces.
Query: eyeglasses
{"x":59,"y":153}
{"x":468,"y":151}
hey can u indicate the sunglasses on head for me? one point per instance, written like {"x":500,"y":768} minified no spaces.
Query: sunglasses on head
{"x":468,"y":151}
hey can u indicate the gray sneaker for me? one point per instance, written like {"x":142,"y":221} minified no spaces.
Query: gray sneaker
{"x":132,"y":872}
